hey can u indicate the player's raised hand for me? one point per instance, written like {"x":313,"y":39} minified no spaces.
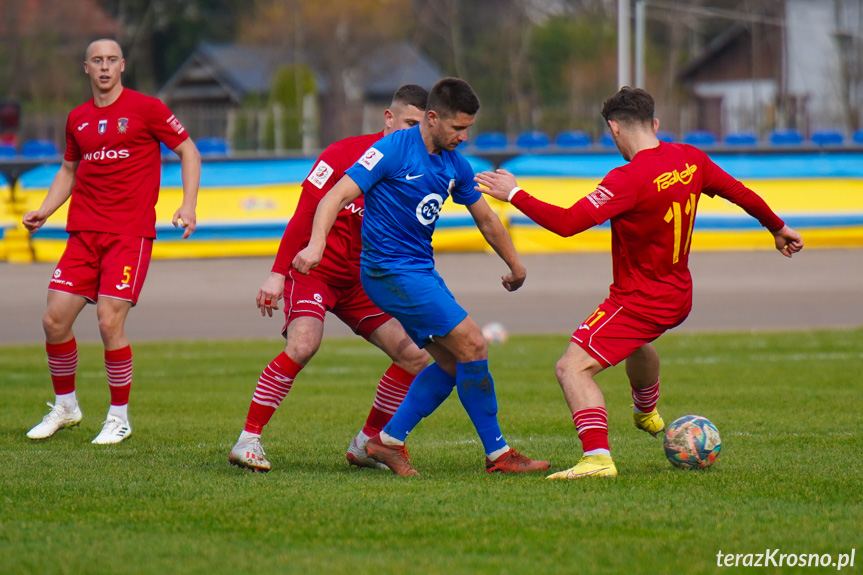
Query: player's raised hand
{"x":185,"y":217}
{"x":497,"y":184}
{"x":307,"y":259}
{"x":788,"y":241}
{"x":270,"y":293}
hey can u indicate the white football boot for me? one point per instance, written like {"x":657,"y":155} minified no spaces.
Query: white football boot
{"x":60,"y":417}
{"x":114,"y":430}
{"x":249,"y":454}
{"x":358,"y":456}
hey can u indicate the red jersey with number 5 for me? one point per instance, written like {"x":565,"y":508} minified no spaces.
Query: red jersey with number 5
{"x":651,"y":202}
{"x":119,"y":163}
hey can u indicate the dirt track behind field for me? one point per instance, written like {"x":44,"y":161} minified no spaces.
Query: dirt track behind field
{"x":215,"y":299}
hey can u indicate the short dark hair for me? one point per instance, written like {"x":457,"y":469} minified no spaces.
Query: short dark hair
{"x":411,"y":95}
{"x":629,"y":105}
{"x":449,"y":96}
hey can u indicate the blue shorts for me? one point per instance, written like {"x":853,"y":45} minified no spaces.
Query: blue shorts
{"x":419,"y":299}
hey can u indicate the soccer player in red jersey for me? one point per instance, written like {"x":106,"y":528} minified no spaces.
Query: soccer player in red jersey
{"x":111,"y":170}
{"x":651,"y":202}
{"x":333,"y":286}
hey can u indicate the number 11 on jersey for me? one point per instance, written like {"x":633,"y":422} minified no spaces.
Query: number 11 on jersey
{"x":675,"y":216}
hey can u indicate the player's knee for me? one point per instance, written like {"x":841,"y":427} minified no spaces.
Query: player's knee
{"x":475,"y":348}
{"x":52,"y":327}
{"x":302,"y":350}
{"x":413,"y":359}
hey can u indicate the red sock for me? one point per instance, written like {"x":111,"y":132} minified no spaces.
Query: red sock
{"x":645,"y":399}
{"x":592,"y":426}
{"x":62,"y":364}
{"x":391,"y":391}
{"x":118,"y":366}
{"x":273,"y":385}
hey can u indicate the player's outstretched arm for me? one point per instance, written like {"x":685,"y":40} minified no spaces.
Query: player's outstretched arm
{"x":345,"y":191}
{"x":498,"y":184}
{"x":58,"y":193}
{"x":788,"y":241}
{"x":190,"y":172}
{"x":498,"y":238}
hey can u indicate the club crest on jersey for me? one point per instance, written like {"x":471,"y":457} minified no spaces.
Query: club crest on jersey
{"x":175,"y":124}
{"x":122,"y":125}
{"x":600,"y":196}
{"x":429,"y":209}
{"x":371,"y":158}
{"x":103,"y":126}
{"x":320,"y":174}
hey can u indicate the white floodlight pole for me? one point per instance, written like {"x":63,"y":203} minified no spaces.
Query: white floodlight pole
{"x":624,"y":48}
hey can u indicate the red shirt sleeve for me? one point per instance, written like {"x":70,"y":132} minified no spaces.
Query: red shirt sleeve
{"x":717,"y":182}
{"x":564,"y":222}
{"x":296,"y":234}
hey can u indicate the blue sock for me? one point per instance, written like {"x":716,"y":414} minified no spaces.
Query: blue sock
{"x":476,"y":392}
{"x":429,"y":389}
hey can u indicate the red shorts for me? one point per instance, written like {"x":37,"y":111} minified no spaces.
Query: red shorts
{"x":308,"y":296}
{"x":611,"y":333}
{"x":103,"y":264}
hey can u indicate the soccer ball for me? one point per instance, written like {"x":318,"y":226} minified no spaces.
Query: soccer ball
{"x":692,"y":442}
{"x":494,"y":332}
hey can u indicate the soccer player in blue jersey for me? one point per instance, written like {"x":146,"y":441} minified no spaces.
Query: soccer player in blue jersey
{"x":405,"y":178}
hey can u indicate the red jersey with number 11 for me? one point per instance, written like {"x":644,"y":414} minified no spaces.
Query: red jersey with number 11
{"x":119,"y":163}
{"x":651,"y":202}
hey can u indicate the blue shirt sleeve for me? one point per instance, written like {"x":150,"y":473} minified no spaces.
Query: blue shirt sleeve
{"x":464,"y":193}
{"x":375,"y":164}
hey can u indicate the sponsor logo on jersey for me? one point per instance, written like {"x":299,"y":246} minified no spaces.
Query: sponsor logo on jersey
{"x":175,"y":124}
{"x":410,"y":177}
{"x":104,"y":154}
{"x":122,"y":125}
{"x":670,"y":178}
{"x":82,"y":126}
{"x":320,"y":174}
{"x":56,"y":279}
{"x":600,"y":196}
{"x":312,"y":302}
{"x":371,"y":158}
{"x":121,"y":287}
{"x":318,"y":298}
{"x":429,"y":208}
{"x":103,"y":126}
{"x":355,"y":209}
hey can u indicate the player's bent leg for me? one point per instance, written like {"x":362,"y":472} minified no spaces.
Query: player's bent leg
{"x":304,"y":337}
{"x":642,"y":368}
{"x":63,"y":308}
{"x":392,"y":339}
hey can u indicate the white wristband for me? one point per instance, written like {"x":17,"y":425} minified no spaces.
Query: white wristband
{"x":512,"y":193}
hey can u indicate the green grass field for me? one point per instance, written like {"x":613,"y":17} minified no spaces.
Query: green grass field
{"x":166,"y":501}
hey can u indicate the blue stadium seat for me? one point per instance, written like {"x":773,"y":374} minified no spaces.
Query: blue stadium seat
{"x":572,"y":139}
{"x":7,"y":151}
{"x":39,"y":149}
{"x":743,"y":138}
{"x":828,"y":138}
{"x":606,"y":141}
{"x":786,"y":137}
{"x":210,"y":147}
{"x":534,"y":140}
{"x":700,"y":138}
{"x":857,"y":137}
{"x":665,"y":136}
{"x":490,"y":141}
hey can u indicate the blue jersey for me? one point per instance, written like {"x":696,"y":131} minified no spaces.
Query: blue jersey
{"x":405,"y":188}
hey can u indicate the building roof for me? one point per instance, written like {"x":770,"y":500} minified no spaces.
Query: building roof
{"x":220,"y":72}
